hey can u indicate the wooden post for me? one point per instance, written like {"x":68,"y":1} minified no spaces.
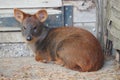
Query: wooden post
{"x":117,"y":55}
{"x":99,"y":21}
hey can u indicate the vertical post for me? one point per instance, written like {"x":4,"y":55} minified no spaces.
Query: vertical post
{"x":99,"y":21}
{"x":117,"y":56}
{"x":108,"y":45}
{"x":68,"y":15}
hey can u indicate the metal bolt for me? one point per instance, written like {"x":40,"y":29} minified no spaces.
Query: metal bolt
{"x":94,"y":29}
{"x":66,"y":8}
{"x":57,"y":17}
{"x":70,"y":16}
{"x":0,"y":22}
{"x":66,"y":24}
{"x":47,"y":25}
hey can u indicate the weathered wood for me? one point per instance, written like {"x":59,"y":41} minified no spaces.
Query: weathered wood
{"x":29,"y":3}
{"x":104,"y":22}
{"x":115,"y":17}
{"x":9,"y":12}
{"x":6,"y":29}
{"x":112,"y":24}
{"x":117,"y":52}
{"x":115,"y":4}
{"x":99,"y":15}
{"x":10,"y":37}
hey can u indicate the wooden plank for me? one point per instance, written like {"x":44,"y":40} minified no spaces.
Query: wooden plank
{"x":9,"y":12}
{"x":11,"y":37}
{"x":10,"y":24}
{"x":115,"y":42}
{"x":29,"y":3}
{"x":7,"y":19}
{"x":115,"y":17}
{"x":6,"y":29}
{"x":115,"y":4}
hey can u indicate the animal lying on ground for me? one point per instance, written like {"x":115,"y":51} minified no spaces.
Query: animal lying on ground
{"x":72,"y":47}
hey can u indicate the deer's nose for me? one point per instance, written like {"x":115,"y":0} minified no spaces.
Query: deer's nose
{"x":28,"y":38}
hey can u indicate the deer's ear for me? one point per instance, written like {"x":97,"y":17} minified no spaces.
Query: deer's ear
{"x":42,"y":15}
{"x":19,"y":15}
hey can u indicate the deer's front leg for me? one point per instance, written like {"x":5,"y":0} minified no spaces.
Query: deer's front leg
{"x":37,"y":56}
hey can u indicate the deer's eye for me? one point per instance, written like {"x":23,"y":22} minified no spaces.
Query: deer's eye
{"x":35,"y":28}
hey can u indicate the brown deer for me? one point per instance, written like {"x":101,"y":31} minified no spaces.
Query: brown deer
{"x":72,"y":47}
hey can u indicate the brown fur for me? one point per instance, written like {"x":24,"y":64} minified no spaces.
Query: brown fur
{"x":75,"y":48}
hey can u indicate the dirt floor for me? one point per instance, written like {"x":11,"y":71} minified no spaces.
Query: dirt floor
{"x":26,"y":68}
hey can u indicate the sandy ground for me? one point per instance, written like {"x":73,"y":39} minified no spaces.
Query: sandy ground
{"x":26,"y":68}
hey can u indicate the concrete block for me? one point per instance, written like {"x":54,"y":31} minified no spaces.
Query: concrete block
{"x":14,"y":50}
{"x":11,"y":37}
